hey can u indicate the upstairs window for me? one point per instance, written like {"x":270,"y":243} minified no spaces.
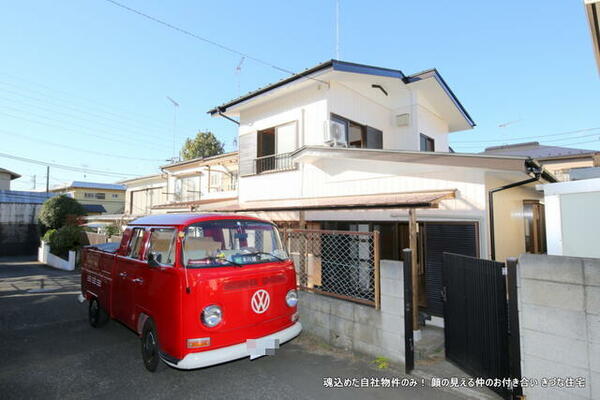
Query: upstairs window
{"x":427,"y":143}
{"x":357,"y":135}
{"x":100,"y":196}
{"x":273,"y":147}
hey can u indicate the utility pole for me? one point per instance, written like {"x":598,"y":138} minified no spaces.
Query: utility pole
{"x":47,"y":178}
{"x":337,"y":29}
{"x":33,"y":182}
{"x":175,"y":106}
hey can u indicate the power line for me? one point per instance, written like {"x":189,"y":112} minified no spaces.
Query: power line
{"x":68,"y":167}
{"x":545,"y":141}
{"x":78,"y":149}
{"x":209,"y":41}
{"x":84,"y":129}
{"x":130,"y":114}
{"x":527,"y":137}
{"x":132,"y":126}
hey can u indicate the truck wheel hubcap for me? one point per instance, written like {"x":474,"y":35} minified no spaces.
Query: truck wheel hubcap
{"x":149,"y":345}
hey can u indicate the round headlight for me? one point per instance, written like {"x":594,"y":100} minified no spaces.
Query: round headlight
{"x":291,"y":298}
{"x":211,"y":316}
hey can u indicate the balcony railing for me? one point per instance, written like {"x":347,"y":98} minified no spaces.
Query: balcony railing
{"x":275,"y":162}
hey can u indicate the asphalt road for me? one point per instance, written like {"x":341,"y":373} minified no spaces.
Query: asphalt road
{"x":48,"y":350}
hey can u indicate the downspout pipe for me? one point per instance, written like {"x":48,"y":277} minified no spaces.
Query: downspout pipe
{"x":220,"y":112}
{"x":537,"y":175}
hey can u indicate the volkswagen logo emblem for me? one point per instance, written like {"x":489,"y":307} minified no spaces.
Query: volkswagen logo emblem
{"x":260,"y":301}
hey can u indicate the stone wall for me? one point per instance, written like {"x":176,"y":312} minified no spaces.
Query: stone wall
{"x":559,"y":311}
{"x":357,"y":327}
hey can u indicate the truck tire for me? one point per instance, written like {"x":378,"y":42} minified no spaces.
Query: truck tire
{"x":96,"y":314}
{"x":150,"y":347}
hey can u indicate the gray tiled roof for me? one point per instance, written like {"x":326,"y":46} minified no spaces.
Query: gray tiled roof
{"x":536,"y":150}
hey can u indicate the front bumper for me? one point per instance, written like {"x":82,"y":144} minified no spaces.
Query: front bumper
{"x":224,"y":354}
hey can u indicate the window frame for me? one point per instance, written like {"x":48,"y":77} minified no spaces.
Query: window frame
{"x":428,"y":140}
{"x":364,"y":131}
{"x":173,"y":248}
{"x":140,"y":257}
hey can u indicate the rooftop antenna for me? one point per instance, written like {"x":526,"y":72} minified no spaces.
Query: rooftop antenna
{"x":238,"y":70}
{"x":337,"y":29}
{"x":175,"y":106}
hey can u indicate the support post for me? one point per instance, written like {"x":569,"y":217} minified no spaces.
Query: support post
{"x":409,"y":346}
{"x":514,"y":332}
{"x":376,"y":259}
{"x":302,"y":219}
{"x":412,"y":229}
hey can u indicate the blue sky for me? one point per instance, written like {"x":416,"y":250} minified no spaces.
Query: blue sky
{"x":84,"y":83}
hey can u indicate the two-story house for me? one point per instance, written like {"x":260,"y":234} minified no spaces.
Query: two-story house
{"x":143,"y":193}
{"x":193,"y":183}
{"x":183,"y":186}
{"x":96,"y":198}
{"x":355,"y":147}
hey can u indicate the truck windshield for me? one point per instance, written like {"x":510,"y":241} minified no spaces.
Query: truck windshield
{"x":231,"y":243}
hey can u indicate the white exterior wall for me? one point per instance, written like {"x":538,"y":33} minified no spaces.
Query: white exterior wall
{"x":4,"y":181}
{"x":432,"y":125}
{"x":572,"y":218}
{"x":141,"y":188}
{"x":310,"y":109}
{"x":307,"y":107}
{"x":202,"y":182}
{"x":350,"y":104}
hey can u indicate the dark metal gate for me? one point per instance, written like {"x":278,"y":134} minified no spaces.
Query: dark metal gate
{"x":476,"y":318}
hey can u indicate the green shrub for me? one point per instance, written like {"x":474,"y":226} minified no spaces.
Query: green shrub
{"x":58,"y":211}
{"x":48,"y":236}
{"x":69,"y":237}
{"x":112,"y":230}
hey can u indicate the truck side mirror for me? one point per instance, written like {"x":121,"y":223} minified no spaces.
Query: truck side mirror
{"x":154,"y":259}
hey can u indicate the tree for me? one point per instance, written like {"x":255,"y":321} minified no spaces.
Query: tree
{"x":59,"y":210}
{"x":205,"y":144}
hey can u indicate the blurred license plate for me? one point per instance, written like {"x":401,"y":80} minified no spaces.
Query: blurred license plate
{"x":261,"y":347}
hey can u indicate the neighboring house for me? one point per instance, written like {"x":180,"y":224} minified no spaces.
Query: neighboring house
{"x":199,"y":181}
{"x":572,"y":217}
{"x":144,"y":193}
{"x":5,"y":177}
{"x":19,"y":210}
{"x":559,"y":161}
{"x":96,"y":198}
{"x":354,"y":147}
{"x":592,"y":9}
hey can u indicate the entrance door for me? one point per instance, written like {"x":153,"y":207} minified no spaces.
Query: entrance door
{"x":476,"y":329}
{"x":440,"y":237}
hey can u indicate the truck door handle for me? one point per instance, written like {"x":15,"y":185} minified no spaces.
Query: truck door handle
{"x":123,"y":274}
{"x":138,"y":280}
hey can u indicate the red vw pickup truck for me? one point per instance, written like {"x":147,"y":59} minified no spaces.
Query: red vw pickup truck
{"x":199,"y":290}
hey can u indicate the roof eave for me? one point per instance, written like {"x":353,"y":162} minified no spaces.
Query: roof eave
{"x":433,"y":73}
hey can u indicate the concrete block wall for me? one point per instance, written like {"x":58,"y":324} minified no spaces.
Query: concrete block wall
{"x":559,"y":312}
{"x":360,"y":328}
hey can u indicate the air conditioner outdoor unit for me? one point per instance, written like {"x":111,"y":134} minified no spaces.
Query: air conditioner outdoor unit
{"x":335,"y":134}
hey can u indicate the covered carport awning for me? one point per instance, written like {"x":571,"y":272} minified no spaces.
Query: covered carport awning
{"x":94,"y":208}
{"x":425,"y":199}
